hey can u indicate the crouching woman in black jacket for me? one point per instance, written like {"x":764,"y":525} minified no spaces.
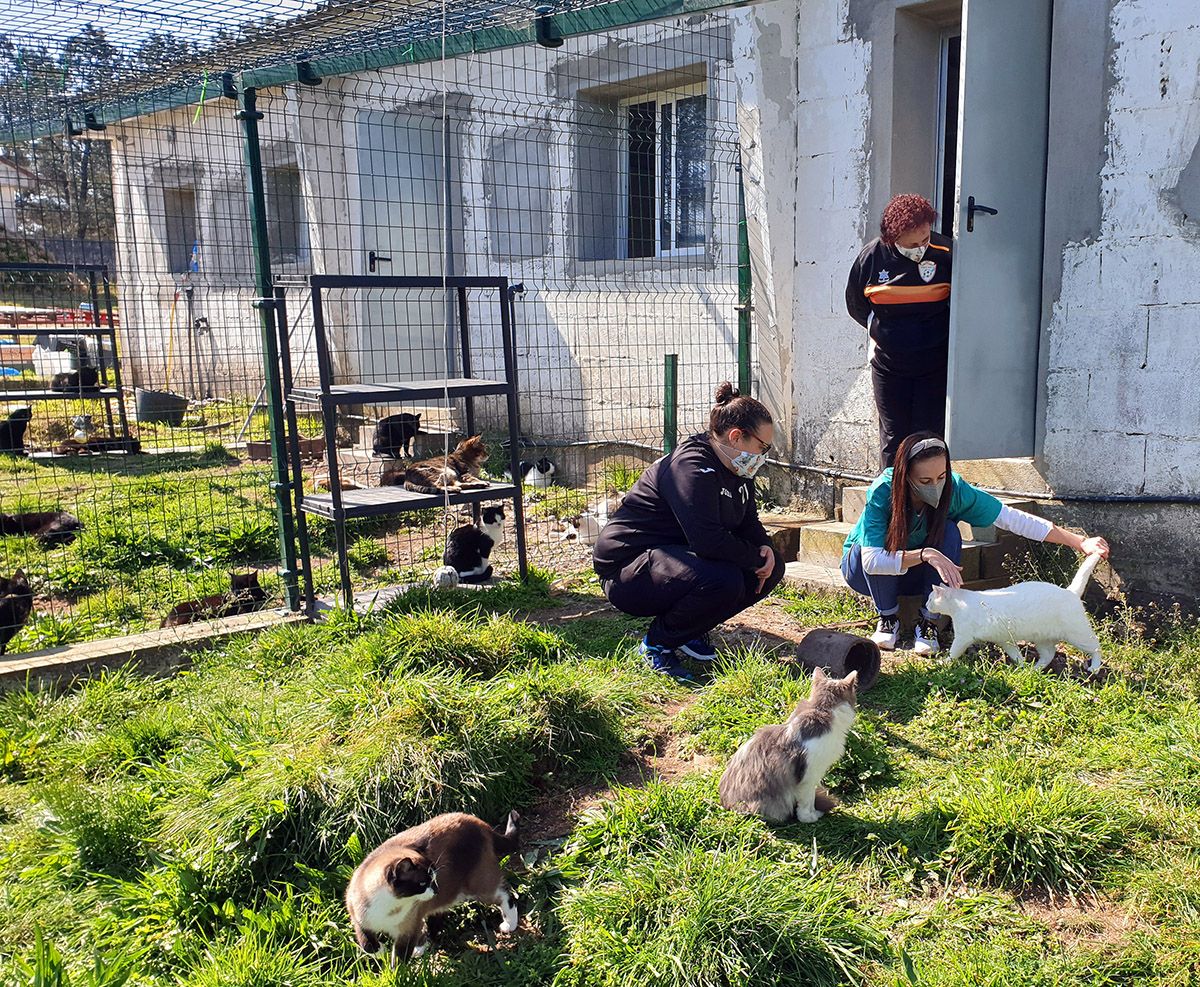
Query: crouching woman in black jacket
{"x":686,"y":547}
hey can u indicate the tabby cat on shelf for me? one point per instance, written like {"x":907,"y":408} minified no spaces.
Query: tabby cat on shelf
{"x":439,"y":474}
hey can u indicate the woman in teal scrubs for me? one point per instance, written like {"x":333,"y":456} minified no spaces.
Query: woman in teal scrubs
{"x":904,"y":546}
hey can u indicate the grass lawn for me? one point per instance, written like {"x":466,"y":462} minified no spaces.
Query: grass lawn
{"x":998,"y":826}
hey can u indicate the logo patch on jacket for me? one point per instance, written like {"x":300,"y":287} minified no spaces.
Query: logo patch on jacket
{"x":883,"y":276}
{"x":927,"y":269}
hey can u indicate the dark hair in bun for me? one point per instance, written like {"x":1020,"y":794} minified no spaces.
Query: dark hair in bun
{"x":734,"y":410}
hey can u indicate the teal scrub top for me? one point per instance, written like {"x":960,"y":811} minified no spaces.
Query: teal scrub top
{"x":967,"y":503}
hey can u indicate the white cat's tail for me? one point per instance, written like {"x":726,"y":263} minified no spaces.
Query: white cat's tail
{"x":1079,"y":583}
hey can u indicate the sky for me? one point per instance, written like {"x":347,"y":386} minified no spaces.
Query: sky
{"x":128,"y":22}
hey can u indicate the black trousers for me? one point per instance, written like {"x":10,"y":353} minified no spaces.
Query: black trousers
{"x":907,"y":405}
{"x":686,"y":595}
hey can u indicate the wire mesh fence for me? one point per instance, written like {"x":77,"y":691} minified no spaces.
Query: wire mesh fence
{"x":597,"y":173}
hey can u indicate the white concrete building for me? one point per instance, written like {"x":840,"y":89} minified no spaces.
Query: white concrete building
{"x":1076,"y":308}
{"x":13,"y":180}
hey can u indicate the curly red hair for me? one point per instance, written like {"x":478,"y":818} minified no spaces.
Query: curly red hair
{"x":903,"y":213}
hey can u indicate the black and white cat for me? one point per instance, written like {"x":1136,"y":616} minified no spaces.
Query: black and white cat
{"x":777,"y":773}
{"x":394,"y":435}
{"x":469,"y":546}
{"x":1041,"y":614}
{"x":85,"y":380}
{"x":539,"y":475}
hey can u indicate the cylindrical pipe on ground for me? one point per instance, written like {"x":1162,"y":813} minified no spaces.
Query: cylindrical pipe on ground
{"x":840,"y":654}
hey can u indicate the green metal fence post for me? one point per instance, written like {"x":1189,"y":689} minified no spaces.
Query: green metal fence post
{"x":281,"y":484}
{"x":670,"y":402}
{"x":744,"y":305}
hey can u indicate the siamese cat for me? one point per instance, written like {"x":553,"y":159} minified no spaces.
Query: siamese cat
{"x":428,"y":869}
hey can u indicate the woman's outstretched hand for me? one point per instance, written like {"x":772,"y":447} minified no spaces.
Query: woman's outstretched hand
{"x":1095,"y":546}
{"x":951,"y":574}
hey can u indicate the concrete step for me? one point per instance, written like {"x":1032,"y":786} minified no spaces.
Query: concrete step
{"x":784,"y":531}
{"x":821,"y":545}
{"x":854,"y":502}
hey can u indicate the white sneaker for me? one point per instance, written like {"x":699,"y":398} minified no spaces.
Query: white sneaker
{"x":925,"y":638}
{"x":886,"y":632}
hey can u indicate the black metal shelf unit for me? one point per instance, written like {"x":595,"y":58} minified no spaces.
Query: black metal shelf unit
{"x":340,"y":506}
{"x":99,"y":294}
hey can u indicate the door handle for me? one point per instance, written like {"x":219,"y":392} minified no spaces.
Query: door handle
{"x":373,"y":259}
{"x":972,"y":209}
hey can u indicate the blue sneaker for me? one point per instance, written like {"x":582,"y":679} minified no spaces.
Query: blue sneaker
{"x":663,"y":660}
{"x":699,"y":648}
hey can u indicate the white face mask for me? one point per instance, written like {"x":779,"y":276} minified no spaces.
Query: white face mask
{"x":744,"y":464}
{"x":912,"y":253}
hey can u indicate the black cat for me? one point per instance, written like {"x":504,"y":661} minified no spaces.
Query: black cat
{"x":49,"y":528}
{"x":394,"y":435}
{"x":12,"y":429}
{"x":470,"y":546}
{"x":85,"y":380}
{"x":16,"y":604}
{"x":244,"y":596}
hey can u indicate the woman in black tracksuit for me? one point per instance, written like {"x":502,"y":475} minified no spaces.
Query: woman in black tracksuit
{"x":899,"y":291}
{"x":686,"y":546}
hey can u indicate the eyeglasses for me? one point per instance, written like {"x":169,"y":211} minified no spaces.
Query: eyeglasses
{"x":766,"y":446}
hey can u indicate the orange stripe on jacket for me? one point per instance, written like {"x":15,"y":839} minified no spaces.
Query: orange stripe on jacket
{"x":892,"y":294}
{"x":938,"y":246}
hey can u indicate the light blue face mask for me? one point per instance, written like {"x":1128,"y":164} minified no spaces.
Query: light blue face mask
{"x":930,"y":493}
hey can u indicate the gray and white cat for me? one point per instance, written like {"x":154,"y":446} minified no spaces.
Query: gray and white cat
{"x":1040,"y":613}
{"x":777,"y":773}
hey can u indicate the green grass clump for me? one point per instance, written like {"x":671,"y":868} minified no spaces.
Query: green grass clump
{"x":696,"y":917}
{"x":822,"y":609}
{"x":1024,"y":833}
{"x":478,"y":642}
{"x":752,"y":690}
{"x":658,"y":818}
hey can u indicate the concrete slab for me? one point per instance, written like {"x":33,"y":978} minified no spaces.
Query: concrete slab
{"x":159,"y":652}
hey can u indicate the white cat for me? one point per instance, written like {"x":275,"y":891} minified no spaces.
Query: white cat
{"x":1040,"y":613}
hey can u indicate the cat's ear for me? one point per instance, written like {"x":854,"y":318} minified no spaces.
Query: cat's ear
{"x":819,"y":675}
{"x":19,"y":575}
{"x":851,"y":679}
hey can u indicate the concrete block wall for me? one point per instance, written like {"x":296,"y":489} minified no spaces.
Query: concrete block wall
{"x":1122,"y":410}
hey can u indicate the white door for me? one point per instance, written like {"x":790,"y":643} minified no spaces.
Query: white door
{"x":995,"y":309}
{"x":402,"y":183}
